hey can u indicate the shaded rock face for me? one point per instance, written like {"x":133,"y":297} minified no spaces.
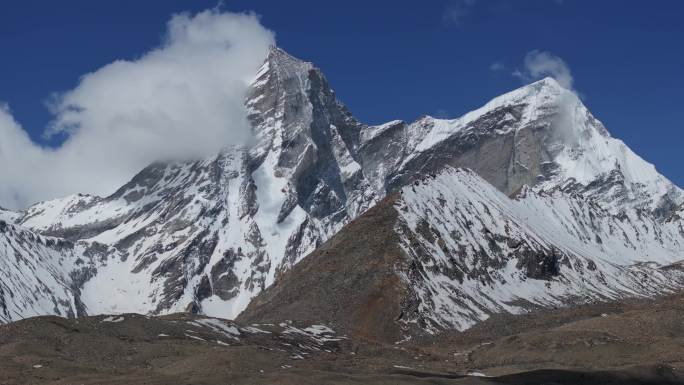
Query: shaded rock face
{"x":211,"y":234}
{"x":507,"y":161}
{"x":312,"y":137}
{"x":542,"y":266}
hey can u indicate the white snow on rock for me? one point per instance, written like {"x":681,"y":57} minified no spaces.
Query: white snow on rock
{"x":220,"y":326}
{"x":9,"y":215}
{"x":481,"y":252}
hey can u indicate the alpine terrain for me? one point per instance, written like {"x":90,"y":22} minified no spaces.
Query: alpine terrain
{"x":393,"y":231}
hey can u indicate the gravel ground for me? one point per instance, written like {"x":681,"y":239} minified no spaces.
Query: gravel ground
{"x":629,"y":342}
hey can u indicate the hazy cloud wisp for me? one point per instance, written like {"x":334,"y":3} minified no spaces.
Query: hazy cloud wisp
{"x":457,"y":10}
{"x":181,"y":100}
{"x":540,"y":64}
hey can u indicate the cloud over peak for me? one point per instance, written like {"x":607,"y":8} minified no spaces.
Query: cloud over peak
{"x":183,"y":99}
{"x":540,"y":64}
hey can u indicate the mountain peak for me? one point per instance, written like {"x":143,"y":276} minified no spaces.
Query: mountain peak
{"x":278,"y":57}
{"x":282,"y":66}
{"x":546,"y":92}
{"x":548,"y":82}
{"x":544,"y":136}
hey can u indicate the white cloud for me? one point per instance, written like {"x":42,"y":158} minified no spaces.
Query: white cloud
{"x":456,"y":11}
{"x":181,"y":100}
{"x":540,"y":64}
{"x":497,"y":67}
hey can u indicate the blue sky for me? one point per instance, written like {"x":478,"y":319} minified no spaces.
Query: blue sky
{"x":390,"y":60}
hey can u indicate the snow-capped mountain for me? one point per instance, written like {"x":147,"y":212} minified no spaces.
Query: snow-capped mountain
{"x":538,"y":134}
{"x":449,"y":250}
{"x":208,"y":235}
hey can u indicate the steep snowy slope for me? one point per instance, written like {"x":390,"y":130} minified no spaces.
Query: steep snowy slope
{"x":449,"y":250}
{"x":208,"y":235}
{"x":41,"y":275}
{"x":546,"y":247}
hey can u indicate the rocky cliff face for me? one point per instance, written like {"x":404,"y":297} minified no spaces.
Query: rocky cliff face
{"x":208,"y":235}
